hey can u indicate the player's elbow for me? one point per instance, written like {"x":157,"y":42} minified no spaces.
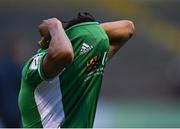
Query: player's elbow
{"x":130,"y":28}
{"x":63,"y":57}
{"x":125,"y":30}
{"x":66,"y":56}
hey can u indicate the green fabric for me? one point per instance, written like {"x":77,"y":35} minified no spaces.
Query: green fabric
{"x":80,"y":82}
{"x":30,"y":80}
{"x":80,"y":87}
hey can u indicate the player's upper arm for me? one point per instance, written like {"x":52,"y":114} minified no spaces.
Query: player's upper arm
{"x":119,"y":32}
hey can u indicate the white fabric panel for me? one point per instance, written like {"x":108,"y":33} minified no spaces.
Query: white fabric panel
{"x":48,"y":98}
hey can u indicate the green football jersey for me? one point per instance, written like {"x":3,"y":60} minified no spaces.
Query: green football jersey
{"x":69,"y":100}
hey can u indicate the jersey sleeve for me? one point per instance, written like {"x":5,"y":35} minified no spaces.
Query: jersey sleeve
{"x":34,"y":69}
{"x":40,"y":67}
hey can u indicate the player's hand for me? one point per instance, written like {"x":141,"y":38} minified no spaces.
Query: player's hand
{"x":46,"y":26}
{"x":45,"y":29}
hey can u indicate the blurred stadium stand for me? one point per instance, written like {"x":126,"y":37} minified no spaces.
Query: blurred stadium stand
{"x":141,"y":87}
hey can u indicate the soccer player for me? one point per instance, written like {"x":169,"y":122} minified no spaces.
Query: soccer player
{"x":61,"y":83}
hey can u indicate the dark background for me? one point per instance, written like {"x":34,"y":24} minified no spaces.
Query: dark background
{"x":141,"y":86}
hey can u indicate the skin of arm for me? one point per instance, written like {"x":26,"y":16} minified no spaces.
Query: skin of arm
{"x":60,"y":52}
{"x":119,"y":32}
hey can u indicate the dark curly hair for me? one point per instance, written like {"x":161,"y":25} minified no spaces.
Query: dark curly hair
{"x":81,"y":17}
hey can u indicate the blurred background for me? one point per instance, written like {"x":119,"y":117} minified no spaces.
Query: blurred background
{"x":141,"y":86}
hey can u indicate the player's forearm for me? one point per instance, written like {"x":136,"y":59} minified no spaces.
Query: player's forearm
{"x":60,"y":48}
{"x":118,"y":31}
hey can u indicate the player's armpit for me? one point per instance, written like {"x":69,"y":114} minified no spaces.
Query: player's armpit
{"x":114,"y":47}
{"x":119,"y":32}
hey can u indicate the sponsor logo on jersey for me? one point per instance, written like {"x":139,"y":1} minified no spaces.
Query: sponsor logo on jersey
{"x":95,"y":66}
{"x":85,"y":48}
{"x":92,"y":63}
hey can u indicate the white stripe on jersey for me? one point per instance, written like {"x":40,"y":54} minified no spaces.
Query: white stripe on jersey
{"x":48,"y":98}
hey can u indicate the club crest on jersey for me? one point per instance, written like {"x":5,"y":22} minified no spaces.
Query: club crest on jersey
{"x":85,"y":48}
{"x":93,"y":63}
